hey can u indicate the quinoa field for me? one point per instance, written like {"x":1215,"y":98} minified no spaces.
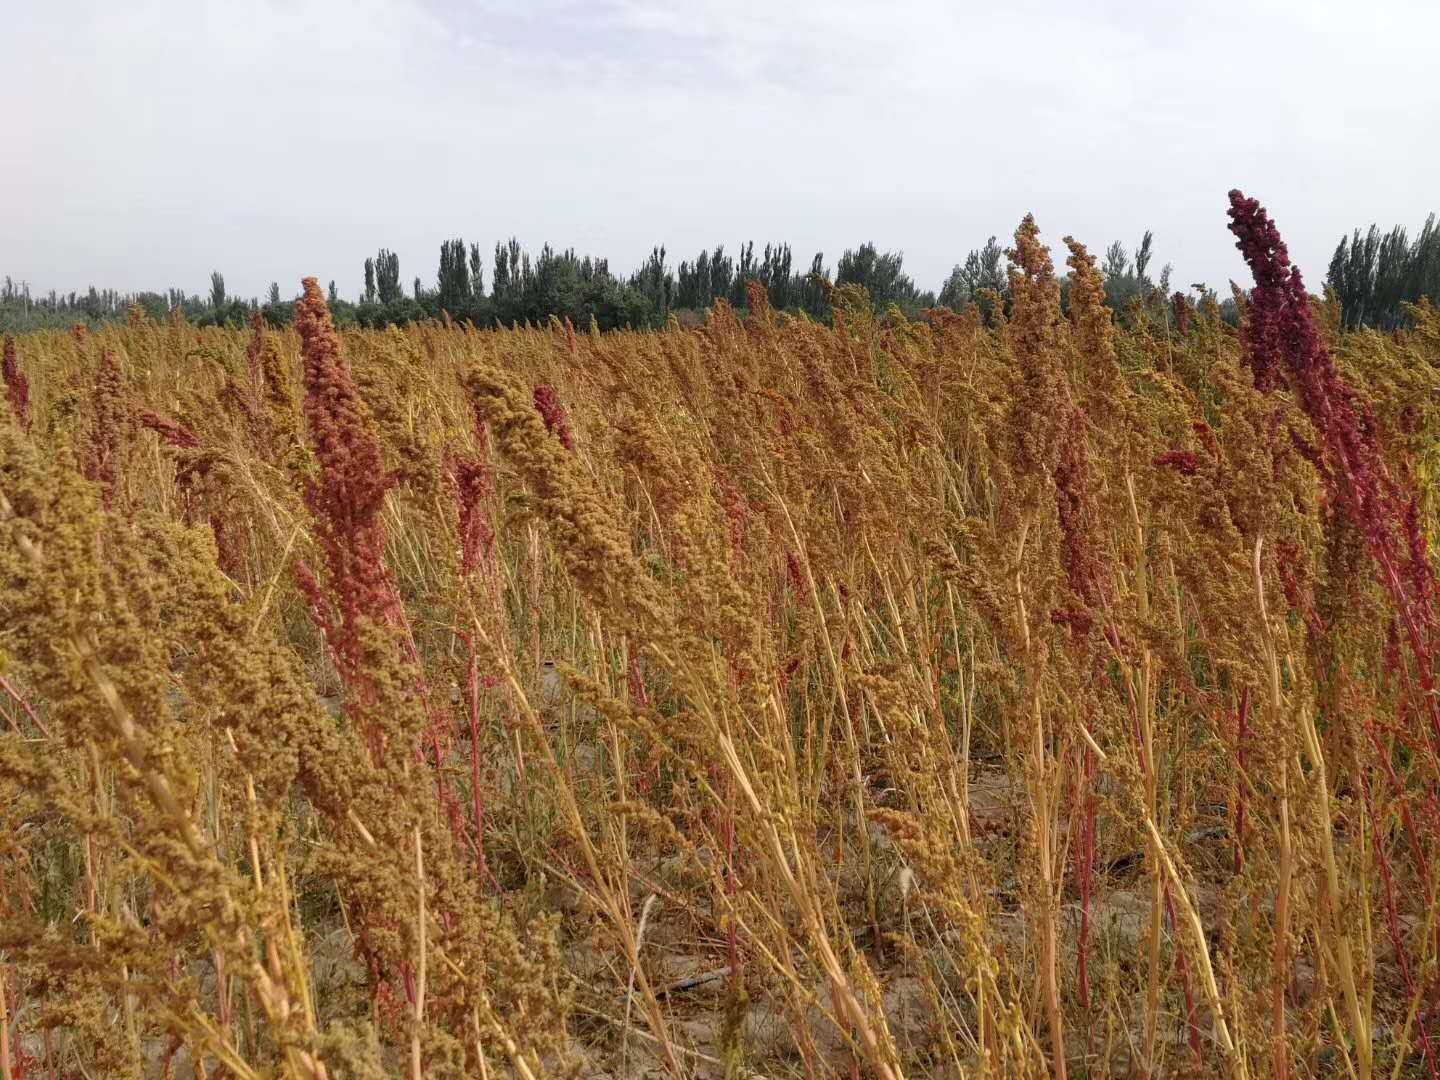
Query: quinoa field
{"x":1026,"y":690}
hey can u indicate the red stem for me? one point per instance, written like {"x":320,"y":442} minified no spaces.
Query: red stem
{"x":1085,"y":872}
{"x":25,"y":706}
{"x":1392,"y":923}
{"x":1241,"y":803}
{"x":472,"y":708}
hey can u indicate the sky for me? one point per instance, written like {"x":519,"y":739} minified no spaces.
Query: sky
{"x":146,"y":143}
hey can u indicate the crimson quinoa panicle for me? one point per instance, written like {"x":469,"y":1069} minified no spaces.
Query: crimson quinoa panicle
{"x":17,"y":386}
{"x":171,"y":431}
{"x":473,"y":485}
{"x":547,"y":404}
{"x":1280,"y":336}
{"x":347,"y":498}
{"x":109,"y":427}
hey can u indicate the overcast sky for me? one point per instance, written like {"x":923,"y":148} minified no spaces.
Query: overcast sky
{"x":148,"y":142}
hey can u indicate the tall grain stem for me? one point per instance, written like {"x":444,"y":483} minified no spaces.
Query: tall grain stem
{"x":1280,"y":959}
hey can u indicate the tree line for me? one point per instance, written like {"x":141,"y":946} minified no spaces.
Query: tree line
{"x":1372,"y":275}
{"x":1375,"y":275}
